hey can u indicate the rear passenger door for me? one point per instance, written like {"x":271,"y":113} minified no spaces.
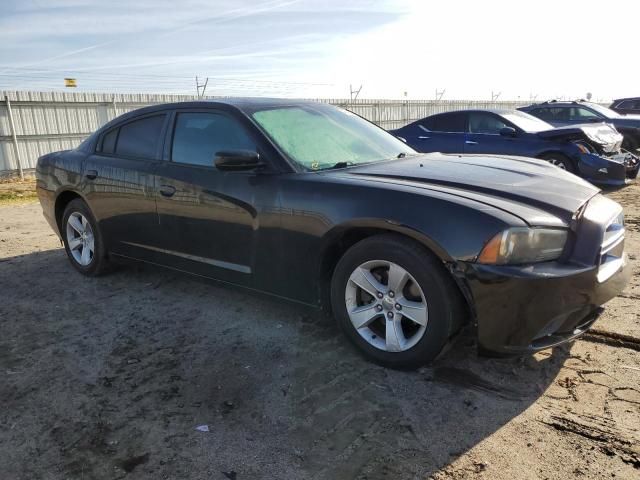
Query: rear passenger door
{"x":556,"y":116}
{"x":119,"y":183}
{"x":441,"y":133}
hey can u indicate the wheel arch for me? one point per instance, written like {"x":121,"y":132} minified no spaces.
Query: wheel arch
{"x":547,"y":154}
{"x":550,"y":153}
{"x":338,"y":240}
{"x":63,"y":198}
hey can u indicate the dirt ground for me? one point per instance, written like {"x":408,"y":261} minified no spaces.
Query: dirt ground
{"x":109,"y":378}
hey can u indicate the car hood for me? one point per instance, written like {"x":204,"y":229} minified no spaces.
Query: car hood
{"x":508,"y":183}
{"x":602,"y":134}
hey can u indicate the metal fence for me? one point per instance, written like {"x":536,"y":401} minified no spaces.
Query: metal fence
{"x":35,"y":123}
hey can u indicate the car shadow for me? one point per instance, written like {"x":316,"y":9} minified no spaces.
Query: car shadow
{"x":153,"y":372}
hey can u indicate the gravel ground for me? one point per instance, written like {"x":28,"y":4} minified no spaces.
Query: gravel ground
{"x":109,"y":378}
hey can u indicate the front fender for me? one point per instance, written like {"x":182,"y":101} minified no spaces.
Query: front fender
{"x":389,"y":225}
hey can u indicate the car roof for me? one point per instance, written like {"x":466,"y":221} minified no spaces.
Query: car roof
{"x":244,"y":104}
{"x":497,"y":111}
{"x":625,"y":98}
{"x":560,"y":103}
{"x":241,"y":103}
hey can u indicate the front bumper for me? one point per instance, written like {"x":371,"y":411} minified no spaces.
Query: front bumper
{"x":611,"y":170}
{"x":520,"y":309}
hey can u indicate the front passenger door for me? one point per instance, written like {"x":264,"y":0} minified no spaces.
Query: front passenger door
{"x":484,"y":135}
{"x":211,"y":221}
{"x":578,"y":115}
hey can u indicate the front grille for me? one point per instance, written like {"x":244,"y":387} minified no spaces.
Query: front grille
{"x":599,"y":231}
{"x":611,"y":256}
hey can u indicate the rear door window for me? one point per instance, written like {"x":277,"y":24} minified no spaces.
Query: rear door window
{"x":140,"y":138}
{"x":453,"y":122}
{"x":541,"y":113}
{"x":629,"y":105}
{"x":551,"y":114}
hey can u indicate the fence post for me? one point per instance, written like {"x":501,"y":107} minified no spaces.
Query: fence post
{"x":115,"y":108}
{"x":12,"y":127}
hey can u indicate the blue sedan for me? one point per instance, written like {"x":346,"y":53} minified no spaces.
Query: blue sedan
{"x":591,"y":151}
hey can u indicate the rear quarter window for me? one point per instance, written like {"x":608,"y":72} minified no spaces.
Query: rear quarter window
{"x":109,"y":141}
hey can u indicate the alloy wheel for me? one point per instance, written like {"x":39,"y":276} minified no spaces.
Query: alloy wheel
{"x":386,"y":306}
{"x":80,"y":239}
{"x":558,"y":163}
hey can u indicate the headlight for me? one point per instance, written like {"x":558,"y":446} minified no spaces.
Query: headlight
{"x":524,"y":245}
{"x":583,"y":147}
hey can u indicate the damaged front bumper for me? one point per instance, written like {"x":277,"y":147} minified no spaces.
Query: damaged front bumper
{"x":613,"y":169}
{"x":521,"y":309}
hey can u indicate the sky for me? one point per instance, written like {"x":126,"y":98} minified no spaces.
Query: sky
{"x":412,"y":49}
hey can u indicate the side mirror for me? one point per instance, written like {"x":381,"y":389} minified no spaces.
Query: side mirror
{"x":234,"y":160}
{"x":508,"y":132}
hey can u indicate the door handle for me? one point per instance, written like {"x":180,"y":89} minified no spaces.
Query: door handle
{"x":422,"y":137}
{"x":167,"y":190}
{"x":91,"y":174}
{"x":469,"y":142}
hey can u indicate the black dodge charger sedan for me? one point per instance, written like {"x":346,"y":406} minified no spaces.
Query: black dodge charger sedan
{"x":314,"y":204}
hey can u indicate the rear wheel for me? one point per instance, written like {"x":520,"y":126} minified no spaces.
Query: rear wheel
{"x":82,"y":239}
{"x":395,"y":301}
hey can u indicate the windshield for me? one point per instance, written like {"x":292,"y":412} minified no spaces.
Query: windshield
{"x":607,"y":112}
{"x":319,"y":136}
{"x":526,"y":122}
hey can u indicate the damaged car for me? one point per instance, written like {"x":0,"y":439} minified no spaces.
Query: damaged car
{"x":591,"y":151}
{"x":561,"y":113}
{"x":311,"y":203}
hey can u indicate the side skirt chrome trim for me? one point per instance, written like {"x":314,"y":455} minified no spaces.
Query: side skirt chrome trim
{"x":209,"y":261}
{"x":217,"y":280}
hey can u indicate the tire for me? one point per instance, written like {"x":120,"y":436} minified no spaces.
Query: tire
{"x":560,"y":161}
{"x":83,"y":240}
{"x":412,"y":342}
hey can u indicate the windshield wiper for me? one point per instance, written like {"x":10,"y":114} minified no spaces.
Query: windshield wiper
{"x":401,"y":155}
{"x":340,"y":165}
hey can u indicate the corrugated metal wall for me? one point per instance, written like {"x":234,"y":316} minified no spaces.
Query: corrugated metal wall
{"x":49,"y":121}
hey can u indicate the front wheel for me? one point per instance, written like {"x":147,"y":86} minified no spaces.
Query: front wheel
{"x":560,"y":161}
{"x":82,"y":239}
{"x":395,"y":301}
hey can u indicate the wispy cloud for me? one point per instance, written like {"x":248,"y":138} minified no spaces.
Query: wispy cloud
{"x":313,"y":47}
{"x":285,"y":40}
